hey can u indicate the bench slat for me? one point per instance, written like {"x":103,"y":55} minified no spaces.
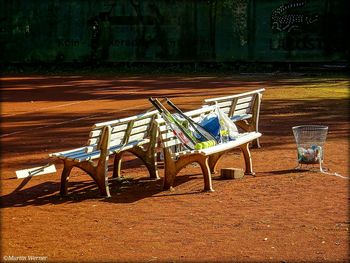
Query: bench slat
{"x":245,"y":99}
{"x":242,"y":139}
{"x":241,"y":112}
{"x":57,"y":154}
{"x":125,"y":120}
{"x":172,"y":142}
{"x":245,"y":105}
{"x":234,"y":96}
{"x":137,"y":137}
{"x":140,"y":129}
{"x":240,"y":117}
{"x":127,"y":146}
{"x":142,"y":122}
{"x":115,"y":129}
{"x":84,"y":156}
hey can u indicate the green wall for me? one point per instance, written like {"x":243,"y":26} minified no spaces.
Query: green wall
{"x":174,"y":30}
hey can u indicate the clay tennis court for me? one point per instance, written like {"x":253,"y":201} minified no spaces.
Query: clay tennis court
{"x":280,"y":215}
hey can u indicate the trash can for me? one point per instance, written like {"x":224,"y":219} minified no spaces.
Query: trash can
{"x":310,"y":140}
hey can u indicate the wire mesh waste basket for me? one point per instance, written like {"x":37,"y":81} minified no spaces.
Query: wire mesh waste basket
{"x":310,"y":140}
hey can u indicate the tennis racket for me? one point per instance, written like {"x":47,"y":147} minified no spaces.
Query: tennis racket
{"x":199,"y":129}
{"x":183,"y":134}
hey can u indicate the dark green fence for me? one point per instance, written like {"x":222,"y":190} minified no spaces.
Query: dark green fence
{"x":174,"y":30}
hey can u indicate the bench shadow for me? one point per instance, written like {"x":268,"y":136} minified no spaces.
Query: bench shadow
{"x":122,"y":190}
{"x":288,"y":171}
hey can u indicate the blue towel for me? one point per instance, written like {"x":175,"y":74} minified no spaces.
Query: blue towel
{"x":211,"y":124}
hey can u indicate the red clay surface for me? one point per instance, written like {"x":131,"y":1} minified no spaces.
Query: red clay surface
{"x":278,"y":216}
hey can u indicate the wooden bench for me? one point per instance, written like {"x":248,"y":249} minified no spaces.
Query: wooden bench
{"x":136,"y":134}
{"x":243,"y":109}
{"x":176,"y":156}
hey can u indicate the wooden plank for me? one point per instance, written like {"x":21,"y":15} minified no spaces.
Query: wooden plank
{"x":36,"y":171}
{"x":116,"y":142}
{"x":125,"y":120}
{"x":172,"y":142}
{"x":118,"y":128}
{"x":123,"y":147}
{"x":87,"y":157}
{"x":240,"y":117}
{"x":245,"y":99}
{"x":57,"y":154}
{"x":93,"y":141}
{"x":162,"y":128}
{"x":82,"y":156}
{"x":115,"y":129}
{"x":140,"y":129}
{"x":224,"y":103}
{"x":117,"y":135}
{"x":234,"y":96}
{"x":241,"y":139}
{"x":168,"y":135}
{"x":90,"y":149}
{"x":246,"y":105}
{"x":95,"y":133}
{"x":206,"y":109}
{"x":242,"y":112}
{"x":137,"y":137}
{"x":142,"y":122}
{"x":76,"y":153}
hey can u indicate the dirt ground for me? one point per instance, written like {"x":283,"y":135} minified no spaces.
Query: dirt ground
{"x":280,"y":215}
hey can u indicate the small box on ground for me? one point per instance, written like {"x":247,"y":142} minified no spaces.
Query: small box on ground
{"x":232,"y":173}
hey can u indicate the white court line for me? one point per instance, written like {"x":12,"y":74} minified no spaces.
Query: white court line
{"x":69,"y":121}
{"x":64,"y":105}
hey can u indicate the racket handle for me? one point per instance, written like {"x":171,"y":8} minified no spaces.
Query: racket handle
{"x":153,"y":101}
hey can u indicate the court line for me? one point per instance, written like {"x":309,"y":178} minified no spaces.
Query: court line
{"x":64,"y":105}
{"x":69,"y":121}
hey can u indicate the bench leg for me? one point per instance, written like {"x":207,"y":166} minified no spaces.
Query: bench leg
{"x":173,"y":167}
{"x":247,"y":159}
{"x":117,"y":165}
{"x":101,"y":178}
{"x":213,"y":161}
{"x":65,"y":178}
{"x":98,"y":173}
{"x":148,"y":157}
{"x":256,"y":143}
{"x":203,"y":162}
{"x":169,"y":177}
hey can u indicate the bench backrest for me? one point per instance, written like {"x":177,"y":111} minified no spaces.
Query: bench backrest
{"x":239,"y":104}
{"x":169,"y":140}
{"x":131,"y":130}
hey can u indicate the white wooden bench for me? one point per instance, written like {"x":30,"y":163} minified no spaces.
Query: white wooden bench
{"x":243,"y":109}
{"x":176,"y":156}
{"x":136,"y":134}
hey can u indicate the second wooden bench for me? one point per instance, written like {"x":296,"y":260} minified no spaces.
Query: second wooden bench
{"x":136,"y":134}
{"x":242,"y":108}
{"x":177,"y":157}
